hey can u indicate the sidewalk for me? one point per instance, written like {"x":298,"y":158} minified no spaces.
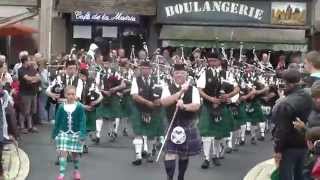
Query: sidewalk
{"x":16,"y":163}
{"x":261,"y":171}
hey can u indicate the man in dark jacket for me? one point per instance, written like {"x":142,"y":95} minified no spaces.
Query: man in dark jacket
{"x":290,"y":147}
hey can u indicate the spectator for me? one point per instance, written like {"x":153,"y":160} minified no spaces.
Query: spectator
{"x":43,"y":98}
{"x":290,"y":148}
{"x":29,"y":83}
{"x":19,"y":64}
{"x":312,"y":66}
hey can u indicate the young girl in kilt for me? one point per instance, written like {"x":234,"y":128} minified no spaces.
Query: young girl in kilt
{"x":69,"y":132}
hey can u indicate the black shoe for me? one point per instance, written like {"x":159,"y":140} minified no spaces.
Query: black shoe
{"x":205,"y":164}
{"x":150,"y":159}
{"x":242,"y":143}
{"x":253,"y":141}
{"x":56,"y":162}
{"x":216,"y":162}
{"x":248,"y":132}
{"x":145,"y":154}
{"x":85,"y":149}
{"x":96,"y":140}
{"x":137,"y":162}
{"x":261,"y":138}
{"x":228,"y":150}
{"x":113,"y":137}
{"x":124,"y":132}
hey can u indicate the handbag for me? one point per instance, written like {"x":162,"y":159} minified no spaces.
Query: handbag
{"x":316,"y":169}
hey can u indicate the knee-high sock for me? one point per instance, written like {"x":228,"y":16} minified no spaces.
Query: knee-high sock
{"x":215,"y":149}
{"x":76,"y":162}
{"x":116,"y":125}
{"x":138,"y":142}
{"x":230,"y":140}
{"x":183,"y":165}
{"x":243,"y":132}
{"x":222,"y":144}
{"x":237,"y":137}
{"x":206,"y":143}
{"x":248,"y":126}
{"x":145,"y":144}
{"x":253,"y":131}
{"x":62,"y":165}
{"x":262,"y":127}
{"x":99,"y":123}
{"x":161,"y":138}
{"x":170,"y":166}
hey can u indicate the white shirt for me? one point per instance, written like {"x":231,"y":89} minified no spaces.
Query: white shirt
{"x":79,"y":87}
{"x":195,"y":94}
{"x":201,"y":82}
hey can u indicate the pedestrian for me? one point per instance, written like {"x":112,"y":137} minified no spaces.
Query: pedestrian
{"x":312,"y":67}
{"x":69,"y":132}
{"x":29,"y":85}
{"x":184,"y":140}
{"x":42,"y":97}
{"x":290,"y":148}
{"x":146,"y":113}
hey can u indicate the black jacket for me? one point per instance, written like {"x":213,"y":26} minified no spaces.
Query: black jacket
{"x":296,"y":104}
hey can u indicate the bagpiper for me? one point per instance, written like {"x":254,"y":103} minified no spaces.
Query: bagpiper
{"x":182,"y":102}
{"x":216,"y":120}
{"x":146,"y":114}
{"x":110,"y":86}
{"x":90,"y":98}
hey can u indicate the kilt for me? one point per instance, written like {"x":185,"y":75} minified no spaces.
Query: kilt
{"x":209,"y":128}
{"x":153,"y":129}
{"x":256,"y":115}
{"x":191,"y":147}
{"x":112,"y":109}
{"x":68,"y":142}
{"x":241,"y":118}
{"x":126,"y":105}
{"x":91,"y":120}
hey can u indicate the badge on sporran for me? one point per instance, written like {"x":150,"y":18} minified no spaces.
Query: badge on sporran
{"x":178,"y":135}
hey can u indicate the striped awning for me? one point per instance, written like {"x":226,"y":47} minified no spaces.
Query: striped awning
{"x":233,"y":34}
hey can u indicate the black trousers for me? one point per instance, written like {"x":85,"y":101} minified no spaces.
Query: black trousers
{"x":291,"y":164}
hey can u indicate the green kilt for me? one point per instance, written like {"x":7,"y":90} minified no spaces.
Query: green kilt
{"x":109,"y":108}
{"x":209,"y":128}
{"x":126,"y":105}
{"x":240,"y":117}
{"x":91,"y":120}
{"x":68,"y":142}
{"x":255,"y":115}
{"x":153,"y":129}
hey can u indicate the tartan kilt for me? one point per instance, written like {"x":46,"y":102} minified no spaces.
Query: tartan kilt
{"x":257,"y":115}
{"x":153,"y":129}
{"x":91,"y":120}
{"x":68,"y":142}
{"x":209,"y":128}
{"x":191,"y":147}
{"x":111,"y":109}
{"x":126,"y":105}
{"x":241,"y":118}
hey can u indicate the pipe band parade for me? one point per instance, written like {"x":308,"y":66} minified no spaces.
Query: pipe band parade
{"x":212,"y":101}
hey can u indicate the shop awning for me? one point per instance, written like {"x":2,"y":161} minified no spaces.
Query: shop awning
{"x":233,"y":34}
{"x":16,"y":30}
{"x":135,"y":7}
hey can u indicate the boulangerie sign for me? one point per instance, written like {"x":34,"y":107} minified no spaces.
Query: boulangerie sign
{"x":184,"y":11}
{"x":117,"y":17}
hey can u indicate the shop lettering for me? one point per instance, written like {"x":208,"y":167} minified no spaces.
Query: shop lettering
{"x":214,"y":6}
{"x":88,"y":16}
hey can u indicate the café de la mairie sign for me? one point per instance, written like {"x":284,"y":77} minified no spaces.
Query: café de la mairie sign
{"x":201,"y":11}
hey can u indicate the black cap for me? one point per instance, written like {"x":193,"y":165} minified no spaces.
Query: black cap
{"x":291,"y":76}
{"x":179,"y":67}
{"x":71,"y":63}
{"x":212,"y":55}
